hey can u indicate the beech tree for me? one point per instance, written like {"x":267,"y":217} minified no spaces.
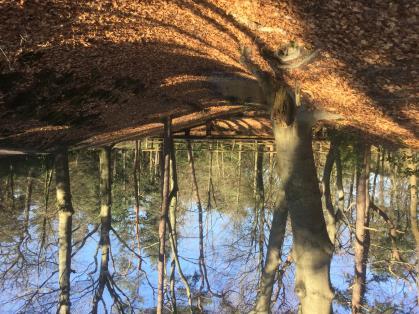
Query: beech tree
{"x":292,"y":127}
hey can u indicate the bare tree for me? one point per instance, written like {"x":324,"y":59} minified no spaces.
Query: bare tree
{"x":171,"y":224}
{"x":105,"y":278}
{"x":292,"y":126}
{"x":202,"y":266}
{"x":137,"y":176}
{"x":164,"y":212}
{"x":260,"y":203}
{"x":413,"y":209}
{"x":362,"y":237}
{"x":330,"y":213}
{"x":65,"y":217}
{"x":273,"y":256}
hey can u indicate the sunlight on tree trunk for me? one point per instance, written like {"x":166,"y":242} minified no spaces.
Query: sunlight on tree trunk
{"x":413,"y":210}
{"x":312,"y":249}
{"x":65,"y":214}
{"x":339,"y":183}
{"x":362,"y":237}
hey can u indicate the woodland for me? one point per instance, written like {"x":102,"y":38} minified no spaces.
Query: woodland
{"x":208,"y":156}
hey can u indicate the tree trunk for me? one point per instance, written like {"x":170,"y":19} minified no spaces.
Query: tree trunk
{"x":137,"y":175}
{"x":260,"y":203}
{"x":339,"y":182}
{"x":171,"y":223}
{"x":240,"y":175}
{"x":202,"y":267}
{"x":362,"y":238}
{"x":65,"y":213}
{"x":376,"y":171}
{"x":330,"y":214}
{"x":273,"y":257}
{"x":28,"y":201}
{"x":312,"y":249}
{"x":413,"y":210}
{"x":11,"y":187}
{"x":48,"y":179}
{"x":381,"y":186}
{"x":105,"y":220}
{"x":164,"y":212}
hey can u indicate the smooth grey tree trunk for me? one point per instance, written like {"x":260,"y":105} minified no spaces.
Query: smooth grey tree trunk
{"x":312,"y":248}
{"x":65,"y":214}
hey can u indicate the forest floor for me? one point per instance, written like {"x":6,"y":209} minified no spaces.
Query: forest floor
{"x":91,"y":73}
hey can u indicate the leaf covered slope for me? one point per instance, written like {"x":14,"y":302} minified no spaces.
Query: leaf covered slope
{"x":85,"y":71}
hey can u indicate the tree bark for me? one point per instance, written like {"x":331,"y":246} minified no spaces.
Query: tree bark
{"x":381,"y":186}
{"x":362,"y":237}
{"x":171,"y":223}
{"x":137,"y":175}
{"x":330,"y":214}
{"x":11,"y":187}
{"x":48,"y":179}
{"x":240,"y":175}
{"x":413,"y":210}
{"x":376,"y":172}
{"x":202,"y":267}
{"x":273,"y":257}
{"x":339,"y":182}
{"x":105,"y":184}
{"x":260,"y":203}
{"x":28,"y":201}
{"x":164,"y":212}
{"x":65,"y":214}
{"x":312,"y":249}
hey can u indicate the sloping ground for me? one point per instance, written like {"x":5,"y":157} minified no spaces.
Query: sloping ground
{"x":87,"y":72}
